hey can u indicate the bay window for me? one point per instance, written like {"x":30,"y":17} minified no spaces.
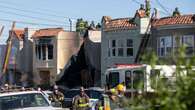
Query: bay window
{"x":170,"y":44}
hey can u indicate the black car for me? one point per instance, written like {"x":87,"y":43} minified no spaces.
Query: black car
{"x":68,"y":97}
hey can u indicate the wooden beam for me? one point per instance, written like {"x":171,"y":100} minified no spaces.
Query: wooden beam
{"x":8,"y":50}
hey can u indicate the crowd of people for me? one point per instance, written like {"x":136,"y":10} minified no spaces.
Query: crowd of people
{"x":81,"y":100}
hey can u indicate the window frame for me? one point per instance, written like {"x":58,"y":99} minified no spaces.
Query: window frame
{"x":42,"y":49}
{"x":129,"y":47}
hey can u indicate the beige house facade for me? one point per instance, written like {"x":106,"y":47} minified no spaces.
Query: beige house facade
{"x":52,"y":48}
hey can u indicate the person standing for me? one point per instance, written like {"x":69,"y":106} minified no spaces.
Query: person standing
{"x":56,"y":96}
{"x":81,"y":101}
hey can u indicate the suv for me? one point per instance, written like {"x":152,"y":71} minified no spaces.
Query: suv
{"x":25,"y":100}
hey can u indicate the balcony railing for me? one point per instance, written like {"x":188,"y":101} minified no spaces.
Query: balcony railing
{"x":44,"y":64}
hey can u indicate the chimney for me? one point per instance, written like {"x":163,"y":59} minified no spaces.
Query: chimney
{"x":156,"y":13}
{"x":147,"y":5}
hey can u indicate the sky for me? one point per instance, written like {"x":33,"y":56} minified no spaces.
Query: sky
{"x":56,"y":13}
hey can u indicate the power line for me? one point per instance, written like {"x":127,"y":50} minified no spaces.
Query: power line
{"x":135,"y":1}
{"x":42,"y":12}
{"x":32,"y":17}
{"x":30,"y":23}
{"x":35,"y":12}
{"x":15,"y":4}
{"x":139,"y":3}
{"x":165,"y":9}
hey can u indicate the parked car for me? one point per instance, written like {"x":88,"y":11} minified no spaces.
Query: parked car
{"x":68,"y":97}
{"x":47,"y":93}
{"x":25,"y":100}
{"x":95,"y":94}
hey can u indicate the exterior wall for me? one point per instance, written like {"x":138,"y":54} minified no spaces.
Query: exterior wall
{"x":14,"y":62}
{"x":174,"y":30}
{"x":45,"y":65}
{"x":144,"y":22}
{"x":27,"y":57}
{"x":107,"y":61}
{"x":68,"y":43}
{"x":64,"y":46}
{"x":17,"y":55}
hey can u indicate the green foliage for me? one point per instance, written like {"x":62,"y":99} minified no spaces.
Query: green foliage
{"x":179,"y":97}
{"x":81,"y":25}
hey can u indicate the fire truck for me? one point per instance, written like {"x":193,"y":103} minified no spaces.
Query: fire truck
{"x":140,"y":77}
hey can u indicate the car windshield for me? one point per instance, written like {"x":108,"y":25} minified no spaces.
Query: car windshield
{"x":22,"y":101}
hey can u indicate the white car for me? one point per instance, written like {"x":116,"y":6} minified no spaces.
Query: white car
{"x":25,"y":100}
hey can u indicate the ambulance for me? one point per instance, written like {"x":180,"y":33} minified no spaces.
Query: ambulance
{"x":140,"y":77}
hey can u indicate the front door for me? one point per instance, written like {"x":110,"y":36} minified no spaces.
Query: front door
{"x":45,"y":77}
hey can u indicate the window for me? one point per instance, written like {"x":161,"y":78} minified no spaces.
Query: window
{"x":120,"y":51}
{"x":113,"y":79}
{"x":50,"y":51}
{"x":120,"y":47}
{"x":44,"y":52}
{"x":154,"y":77}
{"x":138,"y":79}
{"x":165,"y":46}
{"x":128,"y":79}
{"x":112,"y":47}
{"x":134,"y":79}
{"x":114,"y":52}
{"x":188,"y":42}
{"x":44,"y":49}
{"x":168,"y":45}
{"x":113,"y":43}
{"x":177,"y":42}
{"x":129,"y":47}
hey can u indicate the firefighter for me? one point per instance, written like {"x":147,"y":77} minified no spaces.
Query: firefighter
{"x":6,"y":88}
{"x":81,"y":101}
{"x":56,"y":96}
{"x":121,"y":89}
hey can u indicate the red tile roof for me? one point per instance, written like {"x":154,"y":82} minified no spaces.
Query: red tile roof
{"x":184,"y":19}
{"x":119,"y":24}
{"x":19,"y":33}
{"x":49,"y":32}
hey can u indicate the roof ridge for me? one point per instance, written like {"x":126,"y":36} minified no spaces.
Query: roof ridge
{"x":121,"y":18}
{"x":51,"y":28}
{"x":176,"y":16}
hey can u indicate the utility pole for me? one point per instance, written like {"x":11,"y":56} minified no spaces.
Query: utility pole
{"x":1,"y":30}
{"x":8,"y":50}
{"x":70,"y":24}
